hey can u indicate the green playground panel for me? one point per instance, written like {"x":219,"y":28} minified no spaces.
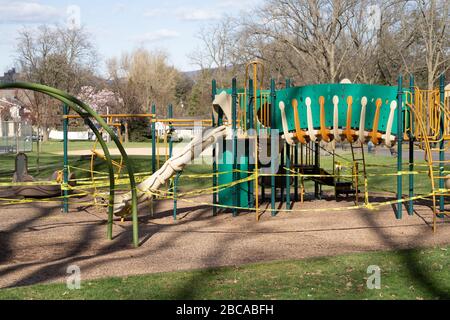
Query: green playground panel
{"x":226,"y":195}
{"x":343,"y":91}
{"x":328,"y":91}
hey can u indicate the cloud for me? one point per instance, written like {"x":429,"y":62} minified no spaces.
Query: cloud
{"x":189,"y":14}
{"x":151,"y":13}
{"x":119,"y":7}
{"x":27,"y":12}
{"x":245,"y":5}
{"x":158,"y":35}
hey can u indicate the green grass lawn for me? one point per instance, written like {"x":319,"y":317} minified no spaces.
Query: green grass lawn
{"x":57,"y":146}
{"x":411,"y":274}
{"x":381,"y":172}
{"x":50,"y":161}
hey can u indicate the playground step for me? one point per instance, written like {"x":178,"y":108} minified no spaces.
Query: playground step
{"x":344,"y":188}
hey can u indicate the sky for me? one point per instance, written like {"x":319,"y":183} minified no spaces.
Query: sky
{"x":117,"y":26}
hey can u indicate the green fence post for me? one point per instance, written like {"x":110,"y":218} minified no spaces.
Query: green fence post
{"x":400,"y":147}
{"x":66,"y":158}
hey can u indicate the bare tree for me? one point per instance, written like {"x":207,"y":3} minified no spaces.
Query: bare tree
{"x":218,"y":52}
{"x":58,"y":57}
{"x":312,"y":29}
{"x":316,"y":41}
{"x":432,"y":18}
{"x":142,"y":78}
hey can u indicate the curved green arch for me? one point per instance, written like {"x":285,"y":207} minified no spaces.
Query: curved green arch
{"x":107,"y":156}
{"x":74,"y":103}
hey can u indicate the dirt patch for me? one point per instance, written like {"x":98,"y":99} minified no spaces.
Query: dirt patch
{"x":38,"y":242}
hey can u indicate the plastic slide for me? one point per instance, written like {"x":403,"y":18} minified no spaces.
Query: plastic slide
{"x":209,"y":137}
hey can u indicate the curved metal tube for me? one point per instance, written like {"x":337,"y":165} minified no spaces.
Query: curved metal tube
{"x":90,"y":111}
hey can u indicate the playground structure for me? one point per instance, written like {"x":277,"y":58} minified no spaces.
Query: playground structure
{"x":329,"y":113}
{"x":281,"y":133}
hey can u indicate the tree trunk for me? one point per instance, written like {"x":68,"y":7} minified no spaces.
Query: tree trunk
{"x":45,"y":133}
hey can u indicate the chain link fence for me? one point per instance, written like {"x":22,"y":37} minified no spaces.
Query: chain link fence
{"x":16,"y":137}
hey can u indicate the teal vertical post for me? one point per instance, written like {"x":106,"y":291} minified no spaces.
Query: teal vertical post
{"x":411,"y":150}
{"x":283,"y":152}
{"x":273,"y":146}
{"x":296,"y":173}
{"x":251,"y":126}
{"x":400,"y":147}
{"x":442,"y":142}
{"x":170,"y":115}
{"x":66,"y":159}
{"x":175,"y":190}
{"x":214,"y":164}
{"x":288,"y":176}
{"x":154,"y":139}
{"x":317,"y":190}
{"x":234,"y":96}
{"x":288,"y":165}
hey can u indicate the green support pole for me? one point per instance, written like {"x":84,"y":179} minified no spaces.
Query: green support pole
{"x":411,"y":151}
{"x":170,"y":116}
{"x":317,"y":169}
{"x":251,"y":96}
{"x":234,"y":97}
{"x":66,"y":159}
{"x":214,"y":164}
{"x":400,"y":147}
{"x":273,"y":153}
{"x":442,"y":143}
{"x":288,"y":165}
{"x":282,"y":171}
{"x":154,"y":139}
{"x":296,"y":176}
{"x":288,"y":176}
{"x":175,"y":190}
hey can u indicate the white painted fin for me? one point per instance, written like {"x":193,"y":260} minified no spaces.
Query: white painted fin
{"x":362,"y":121}
{"x":287,"y":135}
{"x":311,"y":131}
{"x":388,"y":138}
{"x":336,"y":131}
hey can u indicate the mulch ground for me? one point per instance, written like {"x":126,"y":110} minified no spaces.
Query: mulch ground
{"x":38,"y":242}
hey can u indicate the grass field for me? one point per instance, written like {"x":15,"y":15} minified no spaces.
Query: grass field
{"x":377,"y":167}
{"x":411,"y":274}
{"x":381,"y":169}
{"x":50,"y":161}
